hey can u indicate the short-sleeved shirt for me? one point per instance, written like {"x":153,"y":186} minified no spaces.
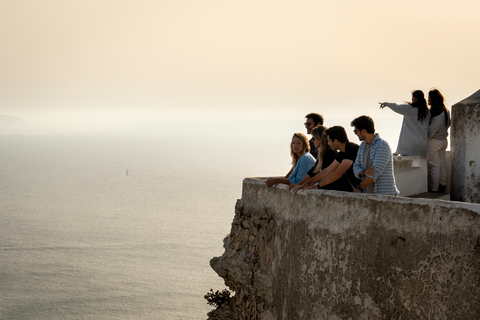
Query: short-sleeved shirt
{"x":328,"y":157}
{"x":313,"y":149}
{"x":348,"y":181}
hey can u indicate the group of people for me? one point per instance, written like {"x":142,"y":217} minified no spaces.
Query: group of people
{"x":424,"y":133}
{"x":330,"y":161}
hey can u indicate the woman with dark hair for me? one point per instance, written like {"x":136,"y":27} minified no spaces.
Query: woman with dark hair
{"x":413,"y":140}
{"x":437,"y":143}
{"x":302,"y":161}
{"x":325,"y":154}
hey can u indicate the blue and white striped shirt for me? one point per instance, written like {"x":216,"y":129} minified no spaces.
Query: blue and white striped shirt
{"x":382,"y":161}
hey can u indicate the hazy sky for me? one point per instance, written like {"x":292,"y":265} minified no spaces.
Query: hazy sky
{"x":65,"y":59}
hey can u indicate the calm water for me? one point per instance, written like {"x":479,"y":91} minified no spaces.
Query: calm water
{"x":81,"y":239}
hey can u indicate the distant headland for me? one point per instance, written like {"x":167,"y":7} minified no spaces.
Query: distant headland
{"x":11,"y":121}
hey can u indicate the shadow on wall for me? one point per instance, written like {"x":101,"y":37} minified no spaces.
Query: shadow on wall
{"x":411,"y":174}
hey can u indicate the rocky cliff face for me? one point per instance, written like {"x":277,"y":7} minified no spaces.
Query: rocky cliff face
{"x":334,"y":255}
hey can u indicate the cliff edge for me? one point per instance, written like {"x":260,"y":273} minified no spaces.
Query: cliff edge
{"x":333,"y":255}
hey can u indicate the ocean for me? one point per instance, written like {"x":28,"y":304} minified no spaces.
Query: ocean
{"x":122,"y":226}
{"x":118,"y":227}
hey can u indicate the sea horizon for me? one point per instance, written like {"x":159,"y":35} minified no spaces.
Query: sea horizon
{"x":123,"y":226}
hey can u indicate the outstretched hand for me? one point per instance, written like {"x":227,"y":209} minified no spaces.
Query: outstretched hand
{"x":382,"y":105}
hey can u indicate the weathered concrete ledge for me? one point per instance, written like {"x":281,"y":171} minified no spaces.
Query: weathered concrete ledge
{"x":411,"y":174}
{"x":465,"y":140}
{"x":334,"y":255}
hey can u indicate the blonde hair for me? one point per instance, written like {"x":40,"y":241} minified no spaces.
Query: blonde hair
{"x":320,"y":134}
{"x":306,"y":146}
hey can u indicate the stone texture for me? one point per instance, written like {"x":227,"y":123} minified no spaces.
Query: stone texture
{"x":334,"y":255}
{"x":411,"y":174}
{"x":465,"y":145}
{"x":223,"y":312}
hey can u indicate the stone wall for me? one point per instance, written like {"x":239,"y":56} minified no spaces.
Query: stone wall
{"x":411,"y":175}
{"x":334,"y":255}
{"x":465,"y":141}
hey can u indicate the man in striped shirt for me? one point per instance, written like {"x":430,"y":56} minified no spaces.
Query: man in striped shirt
{"x":374,"y":163}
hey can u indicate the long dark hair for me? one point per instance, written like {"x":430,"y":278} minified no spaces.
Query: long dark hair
{"x":437,"y":104}
{"x":420,"y":104}
{"x":320,"y":133}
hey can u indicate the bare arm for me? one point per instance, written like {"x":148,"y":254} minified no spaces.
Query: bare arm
{"x":305,"y":179}
{"x":324,"y":173}
{"x":334,"y":176}
{"x":290,"y":172}
{"x":273,"y":182}
{"x":367,"y":181}
{"x":319,"y":176}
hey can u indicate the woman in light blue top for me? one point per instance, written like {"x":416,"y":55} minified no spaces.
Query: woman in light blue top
{"x":413,"y":140}
{"x":302,"y":161}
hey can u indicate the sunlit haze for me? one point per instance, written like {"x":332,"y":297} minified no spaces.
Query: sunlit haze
{"x":127,"y":128}
{"x":105,"y":65}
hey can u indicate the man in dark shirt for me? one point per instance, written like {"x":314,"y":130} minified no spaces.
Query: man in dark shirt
{"x":313,"y":120}
{"x":338,"y":175}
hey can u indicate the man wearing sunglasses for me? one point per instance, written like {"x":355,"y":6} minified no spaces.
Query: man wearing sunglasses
{"x":313,"y":120}
{"x":374,"y":162}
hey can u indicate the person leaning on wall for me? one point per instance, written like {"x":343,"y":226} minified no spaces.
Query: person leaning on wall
{"x":302,"y":162}
{"x":374,"y":162}
{"x":339,"y":174}
{"x":312,"y":121}
{"x":325,"y":154}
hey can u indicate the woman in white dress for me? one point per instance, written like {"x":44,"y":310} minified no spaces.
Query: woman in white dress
{"x":437,"y":143}
{"x":413,"y":140}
